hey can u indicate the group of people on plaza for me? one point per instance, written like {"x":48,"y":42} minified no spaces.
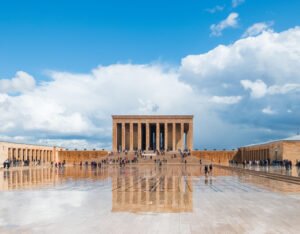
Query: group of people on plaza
{"x":59,"y":164}
{"x":16,"y":163}
{"x":287,"y":164}
{"x":123,"y":159}
{"x":208,"y":169}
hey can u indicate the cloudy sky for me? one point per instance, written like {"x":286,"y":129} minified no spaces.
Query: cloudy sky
{"x":67,"y":66}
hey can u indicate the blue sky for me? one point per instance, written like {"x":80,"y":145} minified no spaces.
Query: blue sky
{"x":44,"y":44}
{"x":79,"y":35}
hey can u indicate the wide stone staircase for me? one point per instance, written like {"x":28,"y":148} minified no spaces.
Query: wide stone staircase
{"x":170,"y":157}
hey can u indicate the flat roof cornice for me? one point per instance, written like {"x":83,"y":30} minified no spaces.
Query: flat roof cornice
{"x":152,"y":116}
{"x":28,"y":144}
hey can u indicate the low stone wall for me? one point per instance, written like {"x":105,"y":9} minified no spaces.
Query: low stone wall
{"x":215,"y":156}
{"x":77,"y":156}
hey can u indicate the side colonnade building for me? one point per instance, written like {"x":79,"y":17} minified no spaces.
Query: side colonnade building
{"x":26,"y":152}
{"x":277,"y":150}
{"x":152,"y":132}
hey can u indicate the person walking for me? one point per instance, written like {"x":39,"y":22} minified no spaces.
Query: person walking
{"x":210,"y":168}
{"x":206,"y":169}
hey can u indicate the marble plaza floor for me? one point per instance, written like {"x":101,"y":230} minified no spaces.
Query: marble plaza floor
{"x":145,"y":199}
{"x":294,"y":171}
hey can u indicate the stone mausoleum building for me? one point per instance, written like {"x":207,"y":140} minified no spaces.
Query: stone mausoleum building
{"x":152,"y":132}
{"x":282,"y":149}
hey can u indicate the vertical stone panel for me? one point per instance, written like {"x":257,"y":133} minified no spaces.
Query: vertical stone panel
{"x":123,"y":136}
{"x":139,"y":136}
{"x":166,"y":136}
{"x":190,"y":137}
{"x":181,"y":136}
{"x":114,"y":136}
{"x":174,"y":137}
{"x":157,"y":137}
{"x":131,"y":136}
{"x":147,"y":136}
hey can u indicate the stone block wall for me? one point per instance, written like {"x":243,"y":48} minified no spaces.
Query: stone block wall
{"x":77,"y":156}
{"x":215,"y":156}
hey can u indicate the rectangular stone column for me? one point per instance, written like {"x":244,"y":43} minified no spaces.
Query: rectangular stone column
{"x":24,"y":154}
{"x":190,"y":136}
{"x":139,"y":136}
{"x":114,"y":137}
{"x":147,"y":136}
{"x":182,"y":136}
{"x":20,"y":154}
{"x":131,"y":136}
{"x":123,"y":136}
{"x":166,"y":136}
{"x":174,"y":137}
{"x":157,"y":136}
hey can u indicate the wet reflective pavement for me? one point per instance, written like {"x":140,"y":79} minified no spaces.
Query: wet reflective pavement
{"x":294,"y":171}
{"x":145,"y":199}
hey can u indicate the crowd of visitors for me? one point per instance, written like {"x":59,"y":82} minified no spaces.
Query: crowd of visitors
{"x":16,"y":163}
{"x":287,"y":164}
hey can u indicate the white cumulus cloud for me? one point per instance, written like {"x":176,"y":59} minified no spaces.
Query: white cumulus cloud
{"x":258,"y":88}
{"x":230,"y":22}
{"x":266,"y":66}
{"x":236,"y":3}
{"x":268,"y":110}
{"x":215,"y":9}
{"x":75,"y":110}
{"x":22,"y":82}
{"x":72,"y":106}
{"x":226,"y":99}
{"x":257,"y":29}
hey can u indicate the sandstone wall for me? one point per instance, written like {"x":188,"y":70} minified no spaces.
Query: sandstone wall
{"x":291,"y":151}
{"x":215,"y":156}
{"x":71,"y":156}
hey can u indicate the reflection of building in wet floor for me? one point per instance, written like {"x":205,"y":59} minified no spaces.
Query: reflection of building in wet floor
{"x":145,"y":188}
{"x":152,"y":194}
{"x":270,"y":185}
{"x":29,"y":178}
{"x":26,"y":178}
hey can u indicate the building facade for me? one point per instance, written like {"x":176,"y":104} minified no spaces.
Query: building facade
{"x":23,"y":152}
{"x":284,"y":149}
{"x":152,"y":132}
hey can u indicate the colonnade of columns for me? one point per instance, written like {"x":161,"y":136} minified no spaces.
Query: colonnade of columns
{"x":22,"y":154}
{"x":255,"y":154}
{"x":152,"y":135}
